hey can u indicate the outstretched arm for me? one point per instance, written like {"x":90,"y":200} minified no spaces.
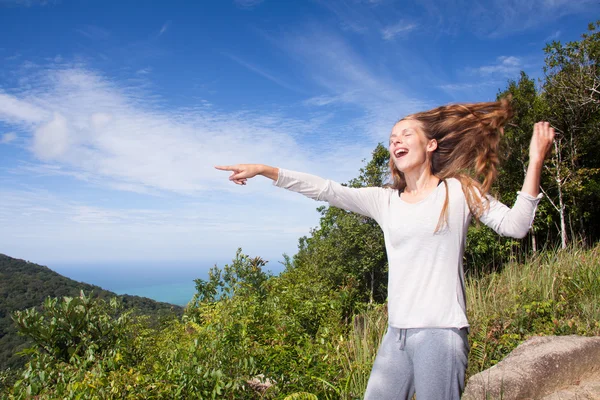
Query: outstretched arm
{"x":366,"y":201}
{"x":541,"y":141}
{"x":242,"y":172}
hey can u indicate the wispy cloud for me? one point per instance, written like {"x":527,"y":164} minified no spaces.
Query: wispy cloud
{"x":15,"y":110}
{"x":262,"y":72}
{"x":13,"y":57}
{"x":401,"y":28}
{"x":325,"y":100}
{"x":115,"y":135}
{"x":28,"y":3}
{"x":355,"y":18}
{"x":144,"y":71}
{"x":465,"y":91}
{"x":499,"y":18}
{"x":172,"y":229}
{"x":8,"y":137}
{"x":247,"y":3}
{"x":81,"y":126}
{"x":377,"y":99}
{"x":552,"y":37}
{"x":94,"y":32}
{"x":164,"y":28}
{"x":505,"y":65}
{"x":457,"y":87}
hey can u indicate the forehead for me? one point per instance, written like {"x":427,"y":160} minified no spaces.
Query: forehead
{"x":406,"y":125}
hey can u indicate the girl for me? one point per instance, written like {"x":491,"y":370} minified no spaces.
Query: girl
{"x":436,"y":158}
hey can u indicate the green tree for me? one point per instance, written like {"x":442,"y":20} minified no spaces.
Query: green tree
{"x":347,"y":250}
{"x":74,"y":326}
{"x":244,"y":275}
{"x":572,"y":91}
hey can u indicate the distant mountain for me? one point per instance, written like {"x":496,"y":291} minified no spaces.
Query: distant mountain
{"x":24,"y":285}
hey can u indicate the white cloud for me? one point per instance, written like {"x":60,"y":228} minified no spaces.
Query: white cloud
{"x":44,"y":225}
{"x":51,"y":140}
{"x":100,"y":120}
{"x":505,"y":66}
{"x":14,"y":110}
{"x":8,"y":137}
{"x":401,"y":28}
{"x":320,"y":101}
{"x":85,"y":128}
{"x":112,"y":135}
{"x":552,"y":37}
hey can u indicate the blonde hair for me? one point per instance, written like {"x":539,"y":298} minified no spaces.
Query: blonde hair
{"x":467,"y":136}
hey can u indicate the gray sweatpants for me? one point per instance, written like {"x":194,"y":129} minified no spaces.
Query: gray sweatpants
{"x":430,"y":362}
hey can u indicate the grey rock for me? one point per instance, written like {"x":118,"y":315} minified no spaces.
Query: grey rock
{"x":544,"y":367}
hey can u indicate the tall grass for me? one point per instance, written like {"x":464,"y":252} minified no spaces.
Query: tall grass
{"x":359,"y":350}
{"x":555,"y":292}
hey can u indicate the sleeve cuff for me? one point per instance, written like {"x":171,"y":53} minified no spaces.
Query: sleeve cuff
{"x":530,"y":197}
{"x":280,"y":177}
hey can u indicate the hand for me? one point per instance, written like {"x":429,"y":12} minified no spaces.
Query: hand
{"x":541,"y":141}
{"x":241,"y":172}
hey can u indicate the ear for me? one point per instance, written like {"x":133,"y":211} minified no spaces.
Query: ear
{"x":432,"y":145}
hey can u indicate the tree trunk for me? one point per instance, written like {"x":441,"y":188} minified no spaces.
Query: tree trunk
{"x":372,"y":286}
{"x":561,"y":202}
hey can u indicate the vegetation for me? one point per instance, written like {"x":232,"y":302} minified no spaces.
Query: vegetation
{"x":273,"y":340}
{"x":24,"y":285}
{"x":313,"y":331}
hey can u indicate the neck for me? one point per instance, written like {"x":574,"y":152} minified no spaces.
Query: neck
{"x":420,"y":181}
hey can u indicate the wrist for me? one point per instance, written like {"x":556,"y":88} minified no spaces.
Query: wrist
{"x":536,"y":162}
{"x":268,"y":171}
{"x":261,"y":169}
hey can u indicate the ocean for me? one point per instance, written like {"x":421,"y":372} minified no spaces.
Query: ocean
{"x":170,"y":282}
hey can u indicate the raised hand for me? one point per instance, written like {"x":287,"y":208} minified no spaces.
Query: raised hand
{"x":541,"y":141}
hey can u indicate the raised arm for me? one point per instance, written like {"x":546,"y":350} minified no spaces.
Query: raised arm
{"x":516,"y":221}
{"x":541,"y":141}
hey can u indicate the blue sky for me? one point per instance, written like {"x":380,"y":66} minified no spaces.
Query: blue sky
{"x":113,"y":113}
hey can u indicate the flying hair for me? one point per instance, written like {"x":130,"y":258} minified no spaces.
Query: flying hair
{"x":468,"y":137}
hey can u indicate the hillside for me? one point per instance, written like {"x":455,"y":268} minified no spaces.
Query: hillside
{"x":24,"y":284}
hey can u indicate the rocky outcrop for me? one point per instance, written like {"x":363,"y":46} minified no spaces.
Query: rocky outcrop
{"x":544,"y":367}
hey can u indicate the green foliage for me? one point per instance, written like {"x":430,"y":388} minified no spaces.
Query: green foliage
{"x":282,"y":323}
{"x":244,"y":275}
{"x":73,"y":327}
{"x":24,"y":285}
{"x":570,"y":90}
{"x":486,"y":251}
{"x":347,"y":251}
{"x":529,"y":107}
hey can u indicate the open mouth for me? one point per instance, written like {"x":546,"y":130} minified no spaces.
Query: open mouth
{"x":400,"y":153}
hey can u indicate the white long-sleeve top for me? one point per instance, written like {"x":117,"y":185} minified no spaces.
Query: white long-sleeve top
{"x":426,"y":287}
